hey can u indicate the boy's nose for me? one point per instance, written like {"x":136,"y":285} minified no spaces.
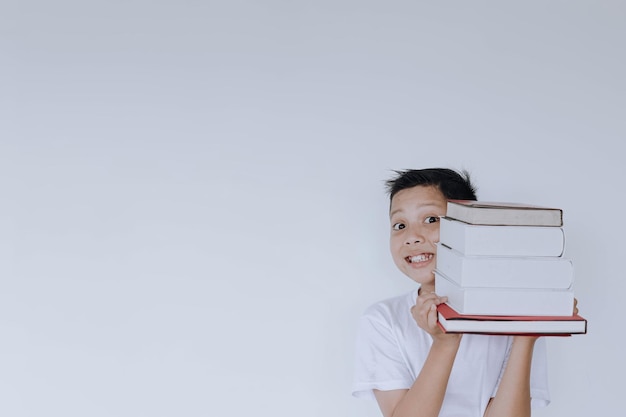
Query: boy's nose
{"x":414,"y":236}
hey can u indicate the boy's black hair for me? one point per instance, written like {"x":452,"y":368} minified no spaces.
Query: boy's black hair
{"x":452,"y":184}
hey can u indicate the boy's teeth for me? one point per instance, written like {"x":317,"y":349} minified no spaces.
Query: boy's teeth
{"x":419,"y":258}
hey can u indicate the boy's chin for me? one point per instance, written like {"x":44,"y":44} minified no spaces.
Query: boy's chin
{"x":423,"y":279}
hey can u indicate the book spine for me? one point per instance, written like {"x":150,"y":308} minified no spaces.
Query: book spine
{"x":481,"y":240}
{"x":504,"y":271}
{"x":505,"y":301}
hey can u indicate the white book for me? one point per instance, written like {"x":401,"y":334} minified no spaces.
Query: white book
{"x":483,"y":240}
{"x":505,"y":271}
{"x":505,"y":301}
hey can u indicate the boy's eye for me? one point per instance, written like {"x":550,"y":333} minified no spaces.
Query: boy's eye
{"x":398,"y":226}
{"x":431,"y":219}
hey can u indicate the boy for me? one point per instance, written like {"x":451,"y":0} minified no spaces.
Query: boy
{"x":404,"y":360}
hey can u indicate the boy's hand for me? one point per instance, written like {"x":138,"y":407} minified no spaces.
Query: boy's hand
{"x":424,"y":313}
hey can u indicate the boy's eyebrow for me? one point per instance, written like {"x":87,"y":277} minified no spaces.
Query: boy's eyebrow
{"x":427,"y":205}
{"x":391,"y":213}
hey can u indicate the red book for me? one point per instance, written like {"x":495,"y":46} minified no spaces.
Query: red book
{"x":452,"y":322}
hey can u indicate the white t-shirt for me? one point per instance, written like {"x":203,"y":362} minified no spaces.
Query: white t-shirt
{"x":391,"y":350}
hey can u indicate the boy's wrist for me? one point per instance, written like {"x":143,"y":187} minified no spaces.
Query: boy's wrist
{"x":447,"y":341}
{"x":525,"y":341}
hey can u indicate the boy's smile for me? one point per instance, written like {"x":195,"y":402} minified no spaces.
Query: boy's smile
{"x":414,"y":217}
{"x":416,"y":259}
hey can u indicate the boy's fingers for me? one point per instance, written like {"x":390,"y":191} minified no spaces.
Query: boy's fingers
{"x":426,"y":297}
{"x":432,"y":315}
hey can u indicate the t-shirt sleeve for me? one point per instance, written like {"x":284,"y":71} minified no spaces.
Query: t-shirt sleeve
{"x":539,"y":392}
{"x":379,"y":363}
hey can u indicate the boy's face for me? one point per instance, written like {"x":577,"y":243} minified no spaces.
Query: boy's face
{"x":414,"y":217}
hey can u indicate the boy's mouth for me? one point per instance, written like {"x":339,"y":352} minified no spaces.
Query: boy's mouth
{"x":422,"y":257}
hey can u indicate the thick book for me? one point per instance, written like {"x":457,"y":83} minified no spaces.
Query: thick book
{"x":496,"y":301}
{"x":452,"y":321}
{"x":505,"y":271}
{"x":487,"y":240}
{"x":504,"y":213}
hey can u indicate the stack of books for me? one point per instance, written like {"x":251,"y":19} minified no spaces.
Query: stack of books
{"x":501,"y":265}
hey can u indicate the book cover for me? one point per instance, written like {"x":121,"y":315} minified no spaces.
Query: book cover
{"x":451,"y":321}
{"x":504,"y":213}
{"x":505,"y":271}
{"x":498,"y":301}
{"x":487,"y":240}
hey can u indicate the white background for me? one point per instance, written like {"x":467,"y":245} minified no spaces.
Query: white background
{"x":192,"y":210}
